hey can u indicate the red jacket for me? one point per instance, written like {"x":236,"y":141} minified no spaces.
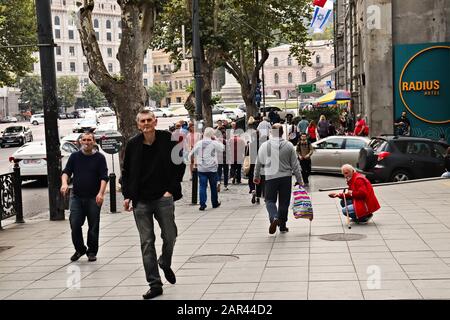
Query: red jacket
{"x":363,"y":196}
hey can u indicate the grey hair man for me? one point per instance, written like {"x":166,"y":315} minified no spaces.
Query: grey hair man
{"x":277,"y":160}
{"x":150,"y":184}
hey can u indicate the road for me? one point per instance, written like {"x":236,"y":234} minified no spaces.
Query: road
{"x":35,"y":195}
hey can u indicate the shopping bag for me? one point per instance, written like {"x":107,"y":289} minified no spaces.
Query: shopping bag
{"x":246,"y":165}
{"x":302,"y":205}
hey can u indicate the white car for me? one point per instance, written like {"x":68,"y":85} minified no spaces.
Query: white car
{"x":83,"y":125}
{"x":162,"y":113}
{"x":32,"y":159}
{"x":104,"y":112}
{"x":37,"y":118}
{"x":234,"y":114}
{"x":111,"y":125}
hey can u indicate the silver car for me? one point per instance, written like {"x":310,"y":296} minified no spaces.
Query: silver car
{"x":332,"y":152}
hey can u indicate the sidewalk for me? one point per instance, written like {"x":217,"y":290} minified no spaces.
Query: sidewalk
{"x":405,"y":254}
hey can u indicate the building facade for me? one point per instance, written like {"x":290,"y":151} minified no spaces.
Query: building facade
{"x":390,"y":52}
{"x":69,"y":57}
{"x":177,"y":81}
{"x":282,"y":74}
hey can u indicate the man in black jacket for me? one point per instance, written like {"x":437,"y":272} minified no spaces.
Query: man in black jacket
{"x":151,"y":176}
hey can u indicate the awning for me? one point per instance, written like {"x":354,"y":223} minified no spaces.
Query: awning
{"x":334,"y":97}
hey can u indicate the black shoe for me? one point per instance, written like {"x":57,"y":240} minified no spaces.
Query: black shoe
{"x":273,"y":226}
{"x":257,"y":200}
{"x":152,"y":293}
{"x":253,"y":198}
{"x":169,"y":274}
{"x":77,"y":255}
{"x":284,"y":229}
{"x":202,"y":208}
{"x":216,"y":206}
{"x":92,"y":257}
{"x":233,"y":181}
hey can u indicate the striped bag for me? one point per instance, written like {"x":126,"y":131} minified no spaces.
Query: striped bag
{"x":302,"y":205}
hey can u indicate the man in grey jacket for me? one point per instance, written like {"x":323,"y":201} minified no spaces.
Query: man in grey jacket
{"x":277,"y":160}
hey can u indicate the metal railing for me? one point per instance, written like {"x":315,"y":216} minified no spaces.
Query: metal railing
{"x":11,"y":196}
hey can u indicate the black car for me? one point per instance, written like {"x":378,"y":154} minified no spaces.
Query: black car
{"x":15,"y":135}
{"x":401,"y":158}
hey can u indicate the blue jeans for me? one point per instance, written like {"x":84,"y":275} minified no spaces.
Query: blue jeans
{"x":204,"y":177}
{"x":351,"y":209}
{"x":279,"y":188}
{"x":163,"y":210}
{"x":225,"y":168}
{"x":80,"y":209}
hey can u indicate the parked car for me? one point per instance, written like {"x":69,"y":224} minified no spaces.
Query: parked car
{"x":8,"y":119}
{"x":32,"y":159}
{"x":73,"y":138}
{"x":401,"y":158}
{"x":234,"y":114}
{"x":162,"y":113}
{"x":84,"y":125}
{"x":83,"y":112}
{"x":62,"y":115}
{"x":287,"y":115}
{"x":75,"y":115}
{"x":37,"y":118}
{"x":332,"y":152}
{"x":15,"y":135}
{"x":104,"y":112}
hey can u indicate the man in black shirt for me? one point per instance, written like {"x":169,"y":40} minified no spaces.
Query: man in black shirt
{"x":90,"y":175}
{"x":403,"y":125}
{"x":151,"y":176}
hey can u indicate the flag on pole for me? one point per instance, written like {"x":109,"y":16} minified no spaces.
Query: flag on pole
{"x":327,"y":4}
{"x":320,"y":17}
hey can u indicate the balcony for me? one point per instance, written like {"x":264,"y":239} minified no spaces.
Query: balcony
{"x":317,"y":65}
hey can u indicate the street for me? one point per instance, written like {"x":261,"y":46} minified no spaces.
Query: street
{"x":35,"y":194}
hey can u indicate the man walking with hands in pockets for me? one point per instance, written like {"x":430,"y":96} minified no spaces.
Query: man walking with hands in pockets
{"x":151,"y":176}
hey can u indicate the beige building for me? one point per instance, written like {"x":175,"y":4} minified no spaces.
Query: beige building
{"x":69,"y":57}
{"x":177,"y":82}
{"x":282,"y":74}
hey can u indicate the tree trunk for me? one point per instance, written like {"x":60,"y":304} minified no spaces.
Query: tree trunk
{"x":206,"y":93}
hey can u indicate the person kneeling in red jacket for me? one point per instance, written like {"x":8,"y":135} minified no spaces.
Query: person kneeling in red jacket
{"x":360,"y":198}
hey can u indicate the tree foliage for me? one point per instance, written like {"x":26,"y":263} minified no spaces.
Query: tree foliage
{"x":67,"y":88}
{"x":17,"y":27}
{"x":157,"y":92}
{"x":93,"y":96}
{"x":31,"y":92}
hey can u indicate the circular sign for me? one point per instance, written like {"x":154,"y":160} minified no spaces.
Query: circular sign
{"x":111,"y":143}
{"x":424,"y":85}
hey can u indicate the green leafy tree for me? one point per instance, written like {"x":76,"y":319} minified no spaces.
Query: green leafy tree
{"x":157,"y":92}
{"x":93,"y":96}
{"x":17,"y":27}
{"x":232,"y":33}
{"x":67,"y":89}
{"x":31,"y":92}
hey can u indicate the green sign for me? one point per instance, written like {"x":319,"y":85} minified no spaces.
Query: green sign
{"x":422,"y":87}
{"x":306,"y":88}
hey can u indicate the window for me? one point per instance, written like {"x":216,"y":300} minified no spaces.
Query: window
{"x":95,"y":23}
{"x":289,"y":77}
{"x":85,"y":67}
{"x":72,"y":67}
{"x":71,"y":21}
{"x":318,"y":74}
{"x":154,"y":69}
{"x":57,"y":21}
{"x":181,"y":84}
{"x":145,"y":82}
{"x":334,"y":143}
{"x":332,"y":58}
{"x":59,"y":66}
{"x":71,"y":35}
{"x":159,"y":68}
{"x":97,"y":35}
{"x":120,"y":36}
{"x":58,"y":51}
{"x":69,"y":147}
{"x":109,"y":50}
{"x":110,"y":67}
{"x":108,"y":36}
{"x":418,"y":148}
{"x":176,"y":85}
{"x":275,"y":62}
{"x":354,"y":144}
{"x":145,"y":68}
{"x":119,"y":24}
{"x":57,"y":34}
{"x":178,"y":99}
{"x":72,"y":51}
{"x":289,"y":61}
{"x":86,"y":81}
{"x":317,"y":59}
{"x":439,"y":150}
{"x":108,"y":24}
{"x":185,"y":66}
{"x":276,"y":78}
{"x":304,"y":78}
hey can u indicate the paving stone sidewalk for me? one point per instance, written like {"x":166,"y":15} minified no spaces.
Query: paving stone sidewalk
{"x":405,"y":253}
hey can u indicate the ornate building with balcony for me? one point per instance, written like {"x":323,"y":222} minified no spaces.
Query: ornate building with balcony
{"x":282,"y":74}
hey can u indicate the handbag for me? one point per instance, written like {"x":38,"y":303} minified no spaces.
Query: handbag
{"x":302,"y":206}
{"x":246,"y":165}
